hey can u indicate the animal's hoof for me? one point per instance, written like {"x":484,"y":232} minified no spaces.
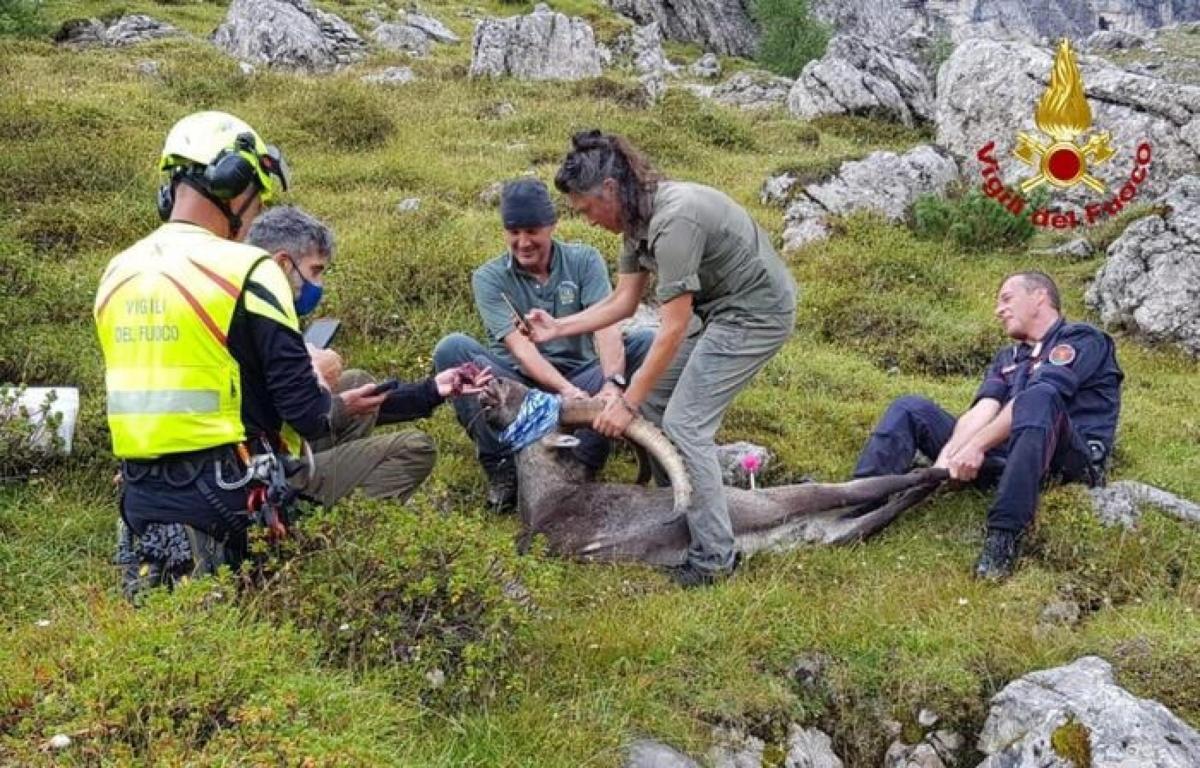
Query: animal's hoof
{"x":502,"y":491}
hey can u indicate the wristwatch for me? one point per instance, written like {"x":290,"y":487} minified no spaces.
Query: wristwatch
{"x":617,"y":380}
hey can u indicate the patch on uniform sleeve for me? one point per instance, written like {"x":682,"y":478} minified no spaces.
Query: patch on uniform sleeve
{"x":1062,"y":354}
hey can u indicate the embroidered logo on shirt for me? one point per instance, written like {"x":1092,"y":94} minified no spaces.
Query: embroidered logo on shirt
{"x":568,"y":292}
{"x":1063,"y":354}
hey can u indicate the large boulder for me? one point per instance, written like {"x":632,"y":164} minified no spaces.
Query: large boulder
{"x":1078,"y":707}
{"x":722,"y":26}
{"x":290,"y":34}
{"x":987,"y":91}
{"x":1150,"y":282}
{"x":541,"y":46}
{"x":882,"y":182}
{"x":118,"y":33}
{"x":858,"y":77}
{"x":914,"y":25}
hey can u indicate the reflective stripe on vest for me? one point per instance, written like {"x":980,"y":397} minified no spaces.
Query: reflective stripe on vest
{"x":163,"y":312}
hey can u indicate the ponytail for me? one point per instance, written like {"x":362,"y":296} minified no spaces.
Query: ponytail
{"x":595,"y":157}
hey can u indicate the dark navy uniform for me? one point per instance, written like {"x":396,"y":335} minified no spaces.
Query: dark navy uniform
{"x":1066,"y":396}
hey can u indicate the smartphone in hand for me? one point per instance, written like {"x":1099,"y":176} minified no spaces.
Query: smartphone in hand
{"x":384,"y":387}
{"x":321,"y":332}
{"x":518,"y":318}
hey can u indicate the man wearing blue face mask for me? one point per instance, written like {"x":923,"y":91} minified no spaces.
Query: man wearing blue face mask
{"x":383,"y":466}
{"x":204,"y":361}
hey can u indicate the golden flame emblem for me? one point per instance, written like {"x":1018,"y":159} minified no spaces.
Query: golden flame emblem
{"x":1063,"y":114}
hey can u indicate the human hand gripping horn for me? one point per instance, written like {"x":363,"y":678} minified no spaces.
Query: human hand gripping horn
{"x":643,"y":434}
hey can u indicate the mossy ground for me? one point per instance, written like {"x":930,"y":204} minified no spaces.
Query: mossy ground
{"x":611,"y":653}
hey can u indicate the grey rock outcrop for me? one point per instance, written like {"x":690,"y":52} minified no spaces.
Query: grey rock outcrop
{"x":809,"y":748}
{"x":403,"y":38}
{"x":543,"y":45}
{"x":1079,"y":248}
{"x":1122,"y":730}
{"x":290,"y":34}
{"x":748,"y":90}
{"x":1112,"y":40}
{"x":646,"y":47}
{"x":901,"y":755}
{"x":736,"y":459}
{"x":987,"y":91}
{"x":1150,"y":282}
{"x":391,"y":76}
{"x":777,"y":190}
{"x":433,"y":29}
{"x":707,"y":66}
{"x":654,"y":87}
{"x":858,"y":77}
{"x":1120,"y":503}
{"x":126,"y":30}
{"x":724,"y":26}
{"x":655,"y":754}
{"x":734,"y":749}
{"x":883,"y":182}
{"x":149,"y":68}
{"x":913,"y":26}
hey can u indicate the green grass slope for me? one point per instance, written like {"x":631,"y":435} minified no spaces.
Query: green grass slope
{"x":415,"y":636}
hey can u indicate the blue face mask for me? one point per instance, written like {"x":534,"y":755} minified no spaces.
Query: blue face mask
{"x":310,"y":293}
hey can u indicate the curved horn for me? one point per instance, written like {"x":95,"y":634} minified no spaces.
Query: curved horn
{"x":581,"y":413}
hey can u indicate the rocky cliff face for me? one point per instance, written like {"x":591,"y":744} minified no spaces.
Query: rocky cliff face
{"x":910,"y":22}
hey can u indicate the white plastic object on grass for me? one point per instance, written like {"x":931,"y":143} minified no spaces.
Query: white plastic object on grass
{"x":66,"y":403}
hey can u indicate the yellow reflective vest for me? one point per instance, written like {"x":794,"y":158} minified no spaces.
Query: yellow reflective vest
{"x":163,"y":312}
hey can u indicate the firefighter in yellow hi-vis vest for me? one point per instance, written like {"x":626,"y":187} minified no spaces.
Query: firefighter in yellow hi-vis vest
{"x":204,"y":360}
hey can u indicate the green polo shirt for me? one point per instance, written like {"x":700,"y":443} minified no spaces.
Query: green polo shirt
{"x":578,"y":279}
{"x":700,"y":241}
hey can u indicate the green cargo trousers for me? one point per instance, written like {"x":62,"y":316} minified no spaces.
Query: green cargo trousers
{"x":383,"y":466}
{"x":690,"y":401}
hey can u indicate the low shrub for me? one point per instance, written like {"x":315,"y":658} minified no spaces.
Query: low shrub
{"x":22,"y":18}
{"x":791,"y":36}
{"x":974,"y":221}
{"x":29,"y":439}
{"x":708,"y":123}
{"x":430,"y":601}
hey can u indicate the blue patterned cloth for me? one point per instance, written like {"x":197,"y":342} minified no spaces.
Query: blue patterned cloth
{"x":537,"y":418}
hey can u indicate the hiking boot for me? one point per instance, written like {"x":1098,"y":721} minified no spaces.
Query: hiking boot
{"x":998,"y":559}
{"x":689,"y":576}
{"x":502,"y":490}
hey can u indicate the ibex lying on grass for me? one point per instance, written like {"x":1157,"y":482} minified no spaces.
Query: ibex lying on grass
{"x":598,"y":521}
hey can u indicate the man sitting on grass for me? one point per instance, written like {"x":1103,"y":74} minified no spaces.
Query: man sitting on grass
{"x":1048,"y":406}
{"x":538,"y":271}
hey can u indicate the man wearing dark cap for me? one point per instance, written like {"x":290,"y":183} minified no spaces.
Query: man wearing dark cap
{"x":538,"y":271}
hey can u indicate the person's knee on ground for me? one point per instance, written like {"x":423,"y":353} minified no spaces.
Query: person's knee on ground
{"x":406,"y":460}
{"x":455,"y":349}
{"x":349,"y":427}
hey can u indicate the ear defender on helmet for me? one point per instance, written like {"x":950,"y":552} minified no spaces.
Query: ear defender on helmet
{"x":234,"y":170}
